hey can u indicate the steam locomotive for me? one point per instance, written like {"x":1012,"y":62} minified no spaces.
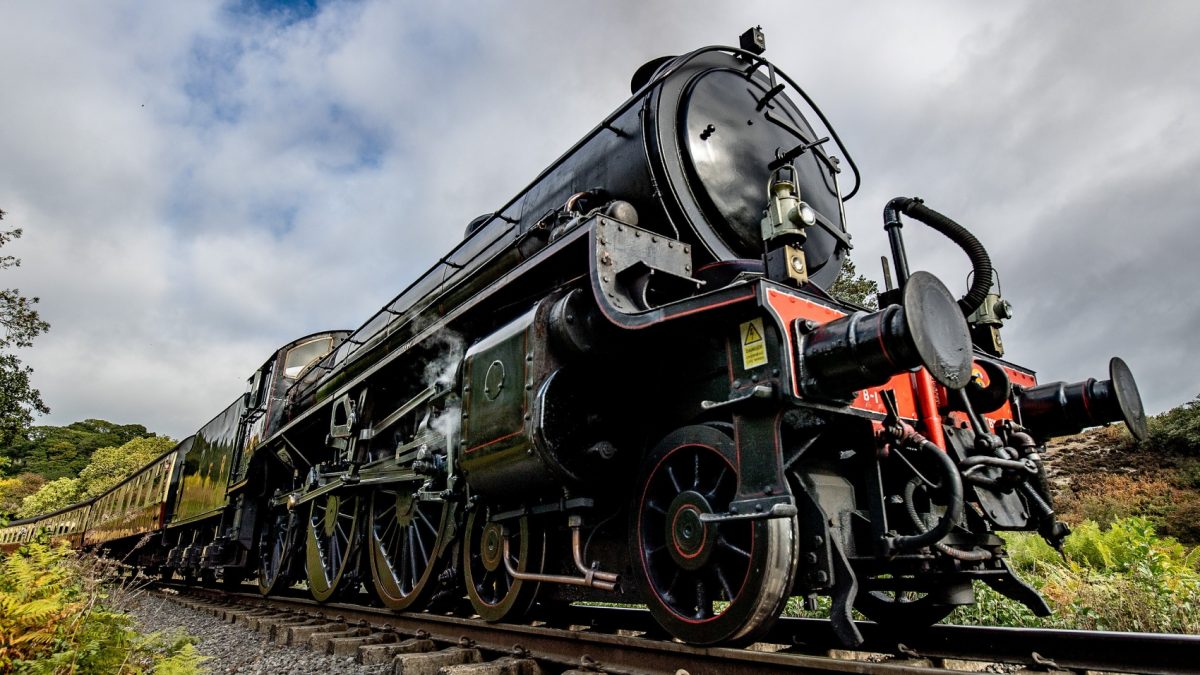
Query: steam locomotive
{"x":630,"y":383}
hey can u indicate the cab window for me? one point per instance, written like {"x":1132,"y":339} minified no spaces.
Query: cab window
{"x":253,"y":385}
{"x":304,"y":355}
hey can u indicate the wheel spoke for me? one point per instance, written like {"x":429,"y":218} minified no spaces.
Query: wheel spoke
{"x":674,"y":481}
{"x":720,"y":574}
{"x":419,"y":543}
{"x":425,"y":520}
{"x":717,"y":483}
{"x":703,"y":602}
{"x":388,"y":513}
{"x":412,"y":558}
{"x":725,"y":544}
{"x":674,"y":580}
{"x":387,"y":533}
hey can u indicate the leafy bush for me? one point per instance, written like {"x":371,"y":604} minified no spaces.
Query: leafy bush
{"x":109,"y":466}
{"x":52,"y":496}
{"x":1123,"y":578}
{"x":1168,"y":499}
{"x":14,"y":490}
{"x":57,"y":615}
{"x":1177,"y":430}
{"x":1188,"y":475}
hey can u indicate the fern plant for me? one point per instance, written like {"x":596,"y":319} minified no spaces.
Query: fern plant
{"x":60,"y":613}
{"x":1125,"y":578}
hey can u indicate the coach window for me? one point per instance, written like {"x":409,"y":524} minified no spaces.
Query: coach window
{"x":304,"y":355}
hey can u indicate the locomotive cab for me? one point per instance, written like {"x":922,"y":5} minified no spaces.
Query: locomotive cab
{"x":264,"y":401}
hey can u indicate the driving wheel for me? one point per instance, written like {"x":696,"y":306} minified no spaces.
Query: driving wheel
{"x":405,"y":541}
{"x":332,"y":539}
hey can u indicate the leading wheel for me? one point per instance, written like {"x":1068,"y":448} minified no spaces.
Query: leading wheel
{"x":405,"y":539}
{"x":494,"y":593}
{"x":707,"y":582}
{"x":332,"y":539}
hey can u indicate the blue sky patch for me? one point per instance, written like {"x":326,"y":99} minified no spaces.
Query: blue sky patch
{"x":285,"y":12}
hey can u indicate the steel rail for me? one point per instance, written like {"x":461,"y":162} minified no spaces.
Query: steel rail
{"x":1111,"y":651}
{"x":1152,"y":653}
{"x":801,"y":644}
{"x":577,"y":644}
{"x":1159,"y":653}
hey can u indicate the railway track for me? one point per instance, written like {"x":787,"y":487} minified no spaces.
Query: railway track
{"x":614,"y":640}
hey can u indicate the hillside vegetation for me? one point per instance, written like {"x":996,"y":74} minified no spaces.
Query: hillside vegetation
{"x":107,"y":467}
{"x":51,"y":467}
{"x":62,"y":452}
{"x":1104,"y":475}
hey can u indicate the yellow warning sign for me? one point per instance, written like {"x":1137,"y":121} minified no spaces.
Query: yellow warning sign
{"x":754,"y":347}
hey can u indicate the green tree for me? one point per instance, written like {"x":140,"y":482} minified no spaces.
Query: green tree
{"x":21,"y":324}
{"x":110,"y":465}
{"x":14,"y":490}
{"x":51,"y":497}
{"x":58,"y":452}
{"x":854,"y":288}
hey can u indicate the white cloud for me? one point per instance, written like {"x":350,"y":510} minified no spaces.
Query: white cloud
{"x":199,"y":185}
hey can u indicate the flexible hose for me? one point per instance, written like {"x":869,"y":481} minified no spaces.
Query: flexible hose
{"x":952,"y":484}
{"x":981,"y":263}
{"x":973,"y":555}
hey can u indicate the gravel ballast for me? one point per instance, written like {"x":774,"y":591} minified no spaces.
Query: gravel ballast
{"x":234,"y":648}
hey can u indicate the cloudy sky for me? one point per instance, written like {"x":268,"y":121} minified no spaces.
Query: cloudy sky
{"x":199,"y":182}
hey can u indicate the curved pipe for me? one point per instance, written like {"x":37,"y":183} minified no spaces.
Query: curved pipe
{"x":952,"y":484}
{"x":973,"y":555}
{"x":981,"y":263}
{"x":1021,"y":466}
{"x":592,"y":577}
